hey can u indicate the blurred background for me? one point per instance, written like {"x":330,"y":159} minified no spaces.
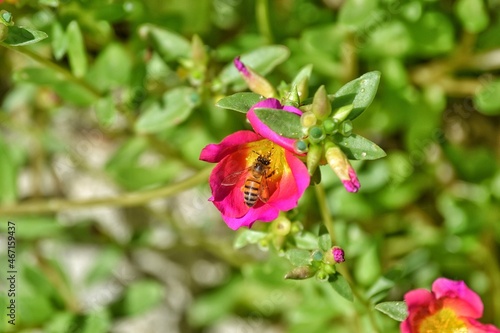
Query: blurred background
{"x":102,"y":123}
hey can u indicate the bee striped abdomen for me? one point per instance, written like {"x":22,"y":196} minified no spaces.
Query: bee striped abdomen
{"x":251,"y":191}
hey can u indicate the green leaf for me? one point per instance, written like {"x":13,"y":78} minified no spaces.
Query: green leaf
{"x":177,"y":106}
{"x":357,"y":147}
{"x":359,"y":92}
{"x":60,"y":322}
{"x":261,"y":60}
{"x":284,"y":123}
{"x":169,"y":45}
{"x":325,"y":242}
{"x":355,"y":14}
{"x":105,"y":111}
{"x":111,"y":69}
{"x":104,"y":265}
{"x":97,"y":322}
{"x":341,"y":286}
{"x":241,"y":102}
{"x":142,"y":296}
{"x":33,"y":311}
{"x":396,"y":310}
{"x":35,"y":227}
{"x":472,"y":14}
{"x":486,"y":99}
{"x":248,"y":237}
{"x":9,"y":169}
{"x":58,"y":40}
{"x":76,"y":50}
{"x":19,"y":36}
{"x":299,"y":257}
{"x":432,"y":35}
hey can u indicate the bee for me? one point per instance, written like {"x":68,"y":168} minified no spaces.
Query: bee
{"x":255,"y":186}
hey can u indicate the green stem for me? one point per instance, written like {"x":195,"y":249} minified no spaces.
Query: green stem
{"x":61,"y":70}
{"x":262,"y":11}
{"x":124,"y":200}
{"x":325,"y":212}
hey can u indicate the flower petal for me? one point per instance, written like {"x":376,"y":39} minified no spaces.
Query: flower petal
{"x":477,"y":327}
{"x":458,"y":296}
{"x":264,"y":130}
{"x":215,"y":152}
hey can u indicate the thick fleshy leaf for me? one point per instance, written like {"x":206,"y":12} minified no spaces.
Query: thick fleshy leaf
{"x":486,"y":99}
{"x":341,"y":286}
{"x":472,"y":14}
{"x":356,"y":14}
{"x":248,"y":237}
{"x":177,"y":106}
{"x":261,"y":60}
{"x":299,"y":257}
{"x":284,"y":123}
{"x":241,"y":102}
{"x":58,"y":41}
{"x":325,"y":242}
{"x":169,"y":45}
{"x":19,"y":36}
{"x":359,"y":92}
{"x":77,"y":54}
{"x":357,"y":147}
{"x":396,"y":310}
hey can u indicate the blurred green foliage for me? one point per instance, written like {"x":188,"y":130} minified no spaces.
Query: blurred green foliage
{"x":120,"y":99}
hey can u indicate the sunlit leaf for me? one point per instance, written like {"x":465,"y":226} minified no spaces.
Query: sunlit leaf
{"x":357,"y":147}
{"x":341,"y":286}
{"x":299,"y":257}
{"x":359,"y":92}
{"x":240,"y":102}
{"x":19,"y":36}
{"x":247,"y":237}
{"x":396,"y":310}
{"x":284,"y":123}
{"x":77,"y":54}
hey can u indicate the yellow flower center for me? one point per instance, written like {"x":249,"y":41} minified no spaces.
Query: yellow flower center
{"x":443,"y":321}
{"x":274,"y":153}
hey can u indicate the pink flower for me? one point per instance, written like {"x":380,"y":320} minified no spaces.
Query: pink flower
{"x":340,"y":165}
{"x":254,"y":178}
{"x":338,"y":254}
{"x":450,"y":307}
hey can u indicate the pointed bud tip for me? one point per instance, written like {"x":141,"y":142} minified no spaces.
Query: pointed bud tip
{"x":241,"y":67}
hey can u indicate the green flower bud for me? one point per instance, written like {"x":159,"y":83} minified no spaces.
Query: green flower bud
{"x":346,"y":128}
{"x":343,"y":112}
{"x":6,"y":18}
{"x":296,"y":228}
{"x":313,"y":158}
{"x":321,"y":104}
{"x":300,"y":147}
{"x":316,"y":177}
{"x":308,"y":119}
{"x":322,"y":275}
{"x":300,"y":273}
{"x":317,"y":256}
{"x":331,"y":125}
{"x":281,"y":226}
{"x":316,"y":134}
{"x":303,"y":89}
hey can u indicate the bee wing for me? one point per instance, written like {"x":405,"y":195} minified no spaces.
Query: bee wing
{"x":263,"y":190}
{"x":233,"y":178}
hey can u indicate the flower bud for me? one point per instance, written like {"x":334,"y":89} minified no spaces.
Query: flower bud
{"x":322,"y":276}
{"x":316,"y":134}
{"x":321,"y":104}
{"x":317,"y":256}
{"x":342,"y":112}
{"x":338,"y":254}
{"x":255,"y":82}
{"x":313,"y":158}
{"x":300,"y":147}
{"x":198,"y":51}
{"x":303,"y":89}
{"x":282,"y":226}
{"x":308,"y":119}
{"x":6,"y":18}
{"x":346,"y":128}
{"x":300,"y":273}
{"x":340,"y":165}
{"x":331,"y":125}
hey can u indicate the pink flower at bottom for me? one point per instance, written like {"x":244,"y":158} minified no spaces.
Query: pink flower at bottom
{"x":254,"y":178}
{"x":451,"y":307}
